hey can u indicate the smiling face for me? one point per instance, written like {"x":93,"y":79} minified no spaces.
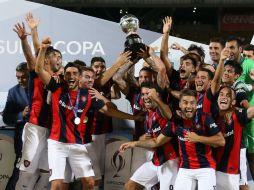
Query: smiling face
{"x":202,"y":81}
{"x":87,"y":79}
{"x":225,"y":99}
{"x":148,"y":103}
{"x":188,"y":106}
{"x":234,"y":50}
{"x":229,"y":75}
{"x":72,"y":76}
{"x":215,"y":49}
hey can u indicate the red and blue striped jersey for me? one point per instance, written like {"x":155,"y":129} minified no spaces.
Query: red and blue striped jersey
{"x":155,"y":123}
{"x":40,"y":111}
{"x":194,"y":155}
{"x":102,"y":123}
{"x":205,"y":100}
{"x":228,"y":157}
{"x":63,"y":127}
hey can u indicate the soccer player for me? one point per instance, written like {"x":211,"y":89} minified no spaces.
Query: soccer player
{"x":196,"y":134}
{"x":164,"y":164}
{"x":231,"y":122}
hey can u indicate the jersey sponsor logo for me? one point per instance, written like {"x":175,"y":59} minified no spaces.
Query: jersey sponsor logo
{"x":156,"y":129}
{"x":135,"y":106}
{"x":26,"y":163}
{"x":182,"y":138}
{"x":199,"y":106}
{"x":229,"y":133}
{"x":213,"y":125}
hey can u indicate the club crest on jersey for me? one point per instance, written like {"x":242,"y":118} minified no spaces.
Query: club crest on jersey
{"x":26,"y":163}
{"x":83,"y":98}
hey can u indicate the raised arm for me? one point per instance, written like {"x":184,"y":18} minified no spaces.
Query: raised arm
{"x":39,"y":67}
{"x":167,"y":23}
{"x":118,"y":77}
{"x":164,"y":108}
{"x":22,"y":34}
{"x":33,"y":25}
{"x":121,"y":60}
{"x":215,"y":84}
{"x":156,"y":64}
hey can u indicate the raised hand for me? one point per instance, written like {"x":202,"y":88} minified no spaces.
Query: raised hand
{"x":20,"y":29}
{"x":152,"y":94}
{"x":46,"y":42}
{"x":176,"y":46}
{"x":124,"y":57}
{"x":31,"y":21}
{"x":225,"y":53}
{"x":167,"y":23}
{"x":144,"y":53}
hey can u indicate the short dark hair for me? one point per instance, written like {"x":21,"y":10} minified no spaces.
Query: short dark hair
{"x":248,"y":47}
{"x":228,"y":87}
{"x":149,"y":85}
{"x":71,"y":64}
{"x":84,"y":68}
{"x":187,"y":56}
{"x":237,"y":67}
{"x":199,"y":49}
{"x":51,"y":49}
{"x":95,"y":59}
{"x":219,"y":40}
{"x":22,"y":67}
{"x":234,"y":38}
{"x":148,"y":69}
{"x":210,"y":73}
{"x":79,"y":62}
{"x":187,"y":92}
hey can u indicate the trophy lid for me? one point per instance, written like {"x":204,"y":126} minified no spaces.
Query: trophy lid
{"x":129,"y":23}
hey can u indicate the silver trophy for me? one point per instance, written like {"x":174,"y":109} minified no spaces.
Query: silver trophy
{"x":130,"y":24}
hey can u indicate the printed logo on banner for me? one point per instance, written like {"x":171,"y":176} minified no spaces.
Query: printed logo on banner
{"x":118,"y":163}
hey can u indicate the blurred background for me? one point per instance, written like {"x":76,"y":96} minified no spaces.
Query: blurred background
{"x":196,"y":20}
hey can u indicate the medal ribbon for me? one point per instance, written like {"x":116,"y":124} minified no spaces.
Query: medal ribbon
{"x":75,"y":109}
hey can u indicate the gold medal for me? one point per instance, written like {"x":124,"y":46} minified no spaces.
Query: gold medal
{"x":85,"y":119}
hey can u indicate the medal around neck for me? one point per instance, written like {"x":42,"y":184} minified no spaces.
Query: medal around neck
{"x":85,"y":119}
{"x":77,"y":120}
